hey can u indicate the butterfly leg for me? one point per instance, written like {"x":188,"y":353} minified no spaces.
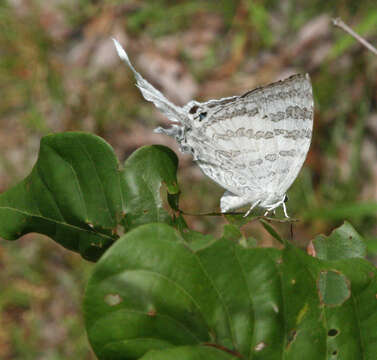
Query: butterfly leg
{"x":266,"y":213}
{"x":285,"y":210}
{"x":252,"y":207}
{"x":271,"y":208}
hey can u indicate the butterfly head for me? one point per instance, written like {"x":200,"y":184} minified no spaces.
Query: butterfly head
{"x":196,"y":113}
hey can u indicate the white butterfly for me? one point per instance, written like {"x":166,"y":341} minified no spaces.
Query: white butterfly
{"x":253,"y":145}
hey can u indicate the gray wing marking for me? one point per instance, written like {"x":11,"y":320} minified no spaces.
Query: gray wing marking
{"x":217,"y":165}
{"x":274,"y":151}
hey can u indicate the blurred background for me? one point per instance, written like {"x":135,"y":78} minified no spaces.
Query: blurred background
{"x":59,"y":71}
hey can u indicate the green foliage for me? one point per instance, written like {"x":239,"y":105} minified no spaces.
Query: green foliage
{"x":163,"y":291}
{"x":259,"y":303}
{"x":77,"y":195}
{"x":145,"y":171}
{"x":343,"y":243}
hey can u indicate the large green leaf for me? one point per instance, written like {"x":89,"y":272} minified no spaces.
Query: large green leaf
{"x":73,"y":195}
{"x":190,"y":353}
{"x":152,"y":296}
{"x":78,"y":195}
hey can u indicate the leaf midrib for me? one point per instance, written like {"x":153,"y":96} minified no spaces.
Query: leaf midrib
{"x":57,"y":222}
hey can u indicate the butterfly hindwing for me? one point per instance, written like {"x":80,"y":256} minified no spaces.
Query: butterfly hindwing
{"x":257,"y":142}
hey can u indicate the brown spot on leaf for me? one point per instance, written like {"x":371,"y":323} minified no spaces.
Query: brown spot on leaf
{"x":291,"y":338}
{"x":311,"y":249}
{"x":152,"y":312}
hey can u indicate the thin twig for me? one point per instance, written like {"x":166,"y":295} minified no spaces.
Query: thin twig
{"x":339,"y":23}
{"x":286,"y":220}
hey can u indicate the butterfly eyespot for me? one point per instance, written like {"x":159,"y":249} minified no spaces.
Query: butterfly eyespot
{"x":202,"y":116}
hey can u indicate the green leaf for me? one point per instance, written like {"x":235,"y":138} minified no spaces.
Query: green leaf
{"x":189,"y":353}
{"x":342,"y":243}
{"x":145,"y":171}
{"x":77,"y":195}
{"x":313,"y":322}
{"x":152,"y":296}
{"x":272,"y":231}
{"x":232,"y":232}
{"x":73,"y":195}
{"x":240,"y":219}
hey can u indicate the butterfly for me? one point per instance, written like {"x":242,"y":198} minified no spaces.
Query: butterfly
{"x":253,"y":145}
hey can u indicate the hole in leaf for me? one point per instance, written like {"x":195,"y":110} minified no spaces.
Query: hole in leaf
{"x":275,"y":308}
{"x":332,"y":332}
{"x":152,"y":312}
{"x":334,"y":288}
{"x":260,"y":346}
{"x":113,"y":299}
